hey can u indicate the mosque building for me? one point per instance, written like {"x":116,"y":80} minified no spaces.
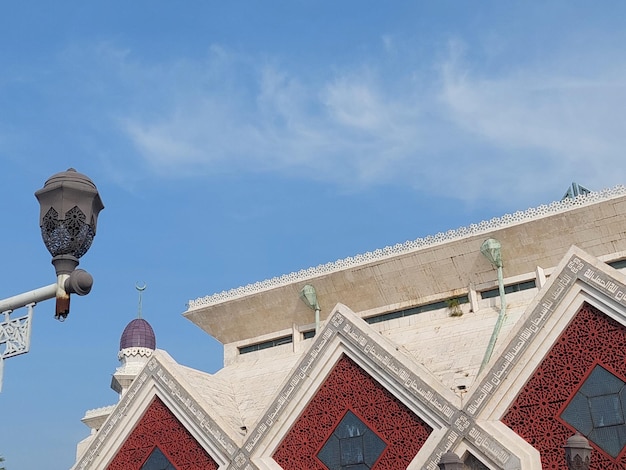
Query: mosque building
{"x":497,"y":341}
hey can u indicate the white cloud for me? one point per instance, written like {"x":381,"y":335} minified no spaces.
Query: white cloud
{"x":546,"y":125}
{"x":344,"y":129}
{"x":458,"y":131}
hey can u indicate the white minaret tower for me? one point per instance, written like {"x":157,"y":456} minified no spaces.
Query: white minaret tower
{"x":136,"y":347}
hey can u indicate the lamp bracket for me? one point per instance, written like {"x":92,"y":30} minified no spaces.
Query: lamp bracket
{"x":15,"y":334}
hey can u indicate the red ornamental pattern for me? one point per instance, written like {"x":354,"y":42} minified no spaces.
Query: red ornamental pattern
{"x":592,"y":338}
{"x":158,"y":427}
{"x":348,"y":387}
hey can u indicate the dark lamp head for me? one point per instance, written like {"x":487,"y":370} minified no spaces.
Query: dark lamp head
{"x":69,"y":206}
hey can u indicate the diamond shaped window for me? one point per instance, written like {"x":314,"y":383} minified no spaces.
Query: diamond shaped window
{"x":351,"y":446}
{"x":598,"y":409}
{"x":157,"y":461}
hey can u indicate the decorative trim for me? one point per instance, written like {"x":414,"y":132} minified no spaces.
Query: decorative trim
{"x":159,"y":428}
{"x":194,"y":410}
{"x":485,"y":226}
{"x":106,"y":432}
{"x":139,"y":351}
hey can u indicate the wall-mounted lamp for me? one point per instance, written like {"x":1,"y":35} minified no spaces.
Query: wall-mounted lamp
{"x":492,"y":250}
{"x":309,"y":297}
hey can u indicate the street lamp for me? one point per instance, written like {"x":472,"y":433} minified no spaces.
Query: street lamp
{"x":69,"y":206}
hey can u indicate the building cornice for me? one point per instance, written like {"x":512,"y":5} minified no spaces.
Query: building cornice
{"x":485,"y":226}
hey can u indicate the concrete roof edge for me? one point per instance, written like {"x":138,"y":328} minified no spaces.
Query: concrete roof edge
{"x":485,"y":226}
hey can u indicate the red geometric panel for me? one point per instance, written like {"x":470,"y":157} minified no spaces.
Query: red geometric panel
{"x":348,"y":387}
{"x":158,"y":427}
{"x":592,"y":338}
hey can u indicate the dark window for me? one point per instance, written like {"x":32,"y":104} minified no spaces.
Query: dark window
{"x":520,"y":286}
{"x":157,"y":461}
{"x":619,"y":264}
{"x":266,"y":344}
{"x":308,"y":334}
{"x":351,"y":446}
{"x":415,"y":310}
{"x":597,"y":410}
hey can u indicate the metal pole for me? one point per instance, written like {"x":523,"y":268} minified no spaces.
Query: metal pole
{"x":499,"y":322}
{"x":31,"y":297}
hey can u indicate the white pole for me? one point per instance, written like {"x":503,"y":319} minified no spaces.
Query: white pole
{"x":31,"y":297}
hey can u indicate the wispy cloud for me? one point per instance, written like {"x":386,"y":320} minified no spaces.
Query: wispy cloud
{"x":346,"y":128}
{"x":528,"y":130}
{"x":545,"y":124}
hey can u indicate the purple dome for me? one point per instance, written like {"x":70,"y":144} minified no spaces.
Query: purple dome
{"x":138,"y":334}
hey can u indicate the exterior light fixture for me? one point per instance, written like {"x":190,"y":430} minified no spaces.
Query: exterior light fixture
{"x":491,"y":249}
{"x":577,"y":452}
{"x":69,"y":206}
{"x":450,"y":461}
{"x":309,"y":297}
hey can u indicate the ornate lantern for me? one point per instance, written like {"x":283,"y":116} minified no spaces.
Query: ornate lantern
{"x":69,"y":206}
{"x":577,"y":452}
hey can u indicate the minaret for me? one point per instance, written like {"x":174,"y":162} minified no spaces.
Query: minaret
{"x":136,"y":347}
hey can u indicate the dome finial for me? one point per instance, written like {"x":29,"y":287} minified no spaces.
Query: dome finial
{"x":140,"y":289}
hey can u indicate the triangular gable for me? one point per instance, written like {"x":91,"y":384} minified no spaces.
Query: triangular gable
{"x":158,"y":430}
{"x":159,"y":379}
{"x":351,"y":410}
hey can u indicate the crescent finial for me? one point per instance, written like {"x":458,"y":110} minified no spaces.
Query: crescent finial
{"x":140,"y":289}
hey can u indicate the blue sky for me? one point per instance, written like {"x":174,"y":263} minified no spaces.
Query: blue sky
{"x":237,"y":141}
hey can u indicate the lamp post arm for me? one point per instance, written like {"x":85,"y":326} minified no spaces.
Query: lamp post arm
{"x":31,"y":297}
